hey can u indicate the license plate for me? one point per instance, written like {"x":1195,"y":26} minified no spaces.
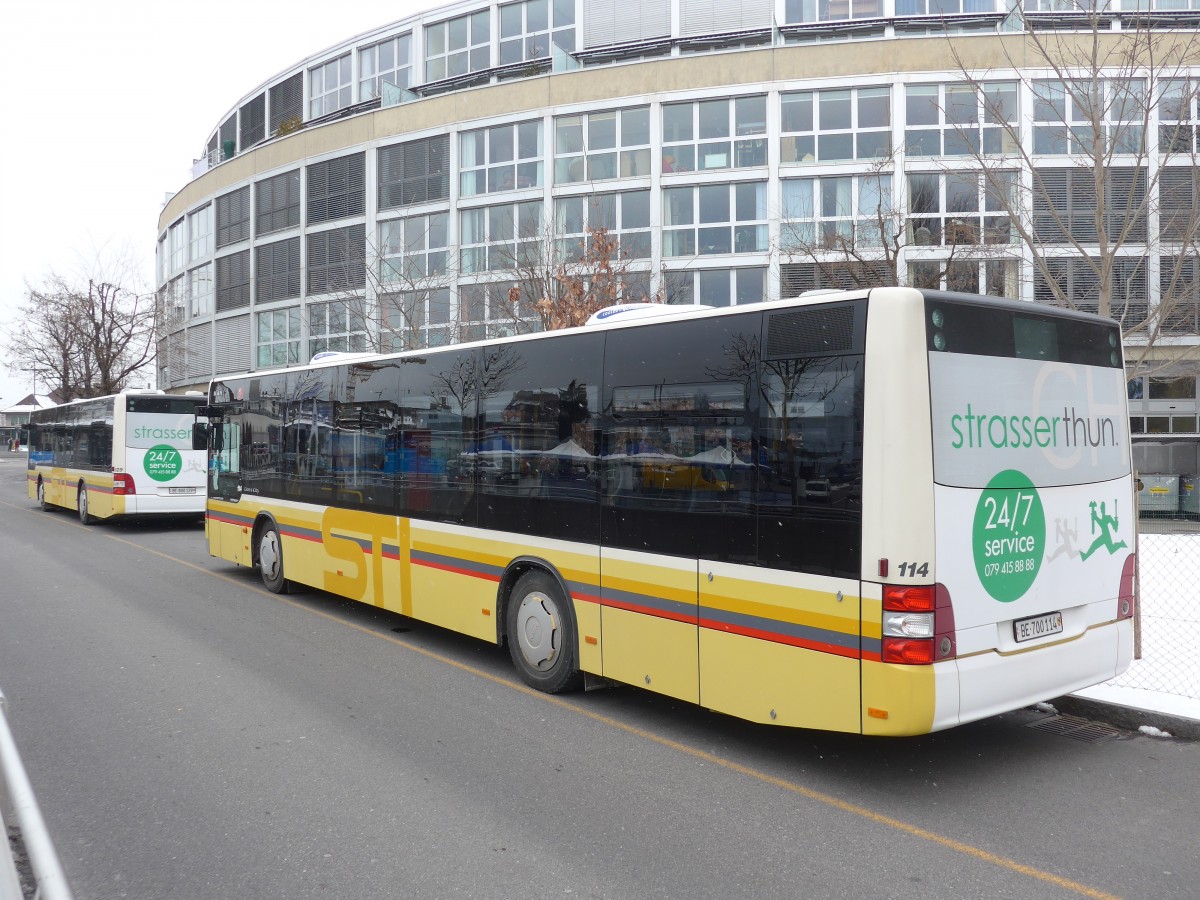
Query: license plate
{"x":190,"y":490}
{"x":1037,"y":626}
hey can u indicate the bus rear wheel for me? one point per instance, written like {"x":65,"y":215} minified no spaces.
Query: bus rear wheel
{"x":270,"y":560}
{"x":541,"y":635}
{"x":85,"y":517}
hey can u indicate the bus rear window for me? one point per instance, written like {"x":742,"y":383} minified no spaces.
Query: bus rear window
{"x":1016,"y":332}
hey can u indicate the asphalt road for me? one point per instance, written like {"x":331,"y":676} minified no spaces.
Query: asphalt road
{"x":190,"y":735}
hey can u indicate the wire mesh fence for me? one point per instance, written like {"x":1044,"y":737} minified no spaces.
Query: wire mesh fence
{"x":1169,"y":615}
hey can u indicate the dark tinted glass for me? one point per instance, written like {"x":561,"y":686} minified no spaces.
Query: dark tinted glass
{"x":676,"y":442}
{"x":1016,"y":331}
{"x":366,"y":426}
{"x":537,"y":454}
{"x":432,"y":453}
{"x":163,"y":404}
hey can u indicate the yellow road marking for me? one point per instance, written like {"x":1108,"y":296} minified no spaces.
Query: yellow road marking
{"x":694,"y":752}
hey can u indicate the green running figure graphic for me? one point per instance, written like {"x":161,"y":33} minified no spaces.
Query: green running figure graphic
{"x":1106,"y":523}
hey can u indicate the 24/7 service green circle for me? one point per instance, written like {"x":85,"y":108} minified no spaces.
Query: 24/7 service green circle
{"x":163,"y":462}
{"x":1009,"y":535}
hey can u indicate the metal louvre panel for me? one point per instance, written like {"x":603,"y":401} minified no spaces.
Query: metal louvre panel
{"x":233,"y":281}
{"x":337,"y":260}
{"x":611,"y":22}
{"x":614,"y":22}
{"x":177,"y":355}
{"x":253,"y":122}
{"x":233,"y":217}
{"x":277,"y":271}
{"x":414,"y":172}
{"x":233,"y":344}
{"x":337,"y":188}
{"x":286,"y":101}
{"x":277,"y":203}
{"x":199,"y":351}
{"x":698,"y":17}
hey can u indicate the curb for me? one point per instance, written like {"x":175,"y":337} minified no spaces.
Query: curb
{"x":1129,"y":717}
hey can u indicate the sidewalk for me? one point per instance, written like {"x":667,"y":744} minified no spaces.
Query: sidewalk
{"x":1131,"y":708}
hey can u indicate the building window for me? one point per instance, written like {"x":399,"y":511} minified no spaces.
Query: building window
{"x":414,"y":172}
{"x":1064,"y":204}
{"x":943,"y":7}
{"x":501,"y":158}
{"x":526,"y":29}
{"x":277,"y":203}
{"x":414,"y":248}
{"x":337,"y":260}
{"x":806,"y":11}
{"x":996,"y":277}
{"x":277,"y":271}
{"x":337,"y":326}
{"x":960,"y":208}
{"x":600,"y":145}
{"x":841,"y":212}
{"x":233,"y":281}
{"x":336,"y":188}
{"x":200,"y":233}
{"x":714,"y":134}
{"x":715,"y":218}
{"x":1177,"y":117}
{"x":386,"y":63}
{"x":177,"y":244}
{"x":200,"y":288}
{"x":329,"y":87}
{"x":233,"y":217}
{"x":278,"y":336}
{"x":458,"y":46}
{"x":831,"y":126}
{"x":716,"y":287}
{"x":624,"y":216}
{"x":960,"y":119}
{"x":1065,"y":114}
{"x":498,"y":238}
{"x":408,"y":315}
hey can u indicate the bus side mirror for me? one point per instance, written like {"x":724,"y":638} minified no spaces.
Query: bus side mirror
{"x":200,"y":436}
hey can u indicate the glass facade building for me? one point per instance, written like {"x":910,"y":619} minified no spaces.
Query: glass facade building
{"x":404,"y":187}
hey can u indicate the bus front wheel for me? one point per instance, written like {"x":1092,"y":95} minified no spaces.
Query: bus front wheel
{"x":541,"y":634}
{"x":41,"y":496}
{"x":270,"y":560}
{"x":85,"y":517}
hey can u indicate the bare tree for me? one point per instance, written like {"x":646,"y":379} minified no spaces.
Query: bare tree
{"x":870,"y":237}
{"x":86,"y":335}
{"x":1124,"y":202}
{"x":555,"y":288}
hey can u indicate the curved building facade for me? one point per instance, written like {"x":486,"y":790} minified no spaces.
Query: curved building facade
{"x":413,"y":185}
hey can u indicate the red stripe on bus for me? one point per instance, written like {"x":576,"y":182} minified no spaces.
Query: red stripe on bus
{"x":649,"y":611}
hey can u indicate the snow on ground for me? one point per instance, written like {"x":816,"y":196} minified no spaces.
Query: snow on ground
{"x":1167,"y":677}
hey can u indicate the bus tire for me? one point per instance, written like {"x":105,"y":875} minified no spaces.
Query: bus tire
{"x":41,"y":496}
{"x":270,"y":560}
{"x":85,"y":517}
{"x":542,"y":635}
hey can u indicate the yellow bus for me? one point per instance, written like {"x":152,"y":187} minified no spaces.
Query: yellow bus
{"x":884,"y":512}
{"x":127,"y":454}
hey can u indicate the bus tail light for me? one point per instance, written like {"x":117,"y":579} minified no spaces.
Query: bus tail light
{"x":918,"y":624}
{"x":1127,"y":598}
{"x":123,"y":485}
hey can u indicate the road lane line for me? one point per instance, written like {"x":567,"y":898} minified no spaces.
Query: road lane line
{"x":694,"y":752}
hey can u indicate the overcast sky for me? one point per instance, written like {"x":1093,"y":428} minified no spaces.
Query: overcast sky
{"x":104,"y":105}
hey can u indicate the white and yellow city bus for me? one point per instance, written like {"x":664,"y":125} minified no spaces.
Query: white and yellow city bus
{"x":128,"y":454}
{"x":887,"y":512}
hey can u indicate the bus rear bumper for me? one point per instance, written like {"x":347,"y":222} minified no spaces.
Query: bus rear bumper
{"x":991,"y":683}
